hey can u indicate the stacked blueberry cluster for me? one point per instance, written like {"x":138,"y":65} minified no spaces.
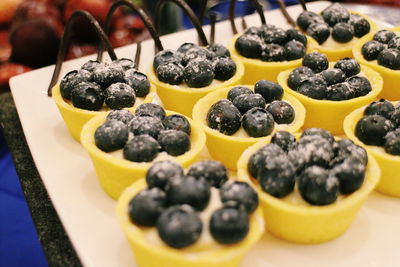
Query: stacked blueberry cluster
{"x":322,"y":167}
{"x":196,"y":66}
{"x":115,"y":84}
{"x":317,"y":81}
{"x":385,"y":47}
{"x":335,"y":20}
{"x":174,"y":203}
{"x":380,"y":126}
{"x":144,"y":134}
{"x":270,"y":43}
{"x":249,"y":109}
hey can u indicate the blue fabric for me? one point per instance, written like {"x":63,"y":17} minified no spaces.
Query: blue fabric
{"x":19,"y":243}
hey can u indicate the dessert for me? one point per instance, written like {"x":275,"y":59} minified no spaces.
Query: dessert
{"x":312,"y":189}
{"x":188,"y":221}
{"x":380,"y":51}
{"x":123,"y":145}
{"x":221,"y":119}
{"x":326,"y":89}
{"x":184,"y":76}
{"x":376,"y":127}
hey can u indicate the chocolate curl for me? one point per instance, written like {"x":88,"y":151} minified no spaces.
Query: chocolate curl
{"x":244,"y":23}
{"x":189,"y":12}
{"x":65,"y":40}
{"x":146,"y":20}
{"x":289,"y":19}
{"x":232,"y":6}
{"x":138,"y":52}
{"x":203,"y":11}
{"x":213,"y":20}
{"x":303,"y":4}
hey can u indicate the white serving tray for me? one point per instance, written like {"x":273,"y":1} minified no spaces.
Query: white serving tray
{"x":88,"y":214}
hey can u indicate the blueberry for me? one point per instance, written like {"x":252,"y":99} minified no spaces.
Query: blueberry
{"x":342,"y":32}
{"x":179,"y":226}
{"x":392,"y":142}
{"x":174,"y":142}
{"x":249,"y":46}
{"x":212,"y":171}
{"x":284,"y":140}
{"x":293,"y":34}
{"x":318,"y":186}
{"x":138,"y":81}
{"x":317,"y":62}
{"x":274,"y":35}
{"x":371,"y":49}
{"x":224,"y":68}
{"x":298,"y":76}
{"x":90,"y":65}
{"x":282,"y":112}
{"x":238,"y":90}
{"x":339,"y":92}
{"x":188,"y":190}
{"x":335,"y":13}
{"x":314,"y":87}
{"x":241,"y":193}
{"x":248,"y":101}
{"x":253,"y":30}
{"x":395,"y":117}
{"x":111,"y":135}
{"x":349,"y":66}
{"x":346,"y":148}
{"x":71,"y":80}
{"x":319,"y":32}
{"x":333,"y":76}
{"x":306,"y":18}
{"x":294,"y":50}
{"x":318,"y":132}
{"x":372,"y":129}
{"x":351,"y":173}
{"x":161,"y":172}
{"x":229,"y":225}
{"x":270,"y":91}
{"x":125,"y":63}
{"x":177,"y":122}
{"x":197,"y":53}
{"x":122,"y":115}
{"x":198,"y":73}
{"x":258,"y":159}
{"x":381,"y":107}
{"x":394,"y":43}
{"x":224,"y":117}
{"x":120,"y":95}
{"x":359,"y":85}
{"x":146,"y":125}
{"x":142,"y":148}
{"x":166,"y":56}
{"x":87,"y":96}
{"x":384,"y":36}
{"x":186,"y":46}
{"x":150,"y":109}
{"x":360,"y":25}
{"x":171,"y":73}
{"x":389,"y":58}
{"x":276,"y":176}
{"x":106,"y":74}
{"x":147,"y":206}
{"x":219,"y":50}
{"x":258,"y":122}
{"x":273,"y":52}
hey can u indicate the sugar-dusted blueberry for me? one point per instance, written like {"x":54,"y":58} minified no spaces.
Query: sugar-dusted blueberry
{"x":346,"y":148}
{"x":318,"y":186}
{"x":372,"y":129}
{"x":212,"y":171}
{"x":166,"y":56}
{"x":284,"y":140}
{"x":87,"y":95}
{"x":237,"y":91}
{"x":394,"y":43}
{"x":384,"y":36}
{"x":106,"y":74}
{"x":171,"y":73}
{"x":120,"y":95}
{"x":274,"y":35}
{"x":147,"y":206}
{"x":360,"y":25}
{"x":395,"y":117}
{"x":306,"y":18}
{"x":111,"y":135}
{"x":318,"y":132}
{"x":229,"y":225}
{"x":146,"y":125}
{"x":359,"y":85}
{"x":122,"y":115}
{"x":351,"y":173}
{"x":179,"y":226}
{"x":392,"y":142}
{"x":197,"y":53}
{"x":224,"y":117}
{"x":273,"y":52}
{"x":258,"y":122}
{"x":293,"y":34}
{"x":257,"y":160}
{"x":125,"y":63}
{"x":224,"y":68}
{"x":349,"y":66}
{"x":198,"y":73}
{"x":282,"y":112}
{"x":185,"y":47}
{"x":219,"y":50}
{"x":138,"y":81}
{"x":253,"y":30}
{"x":342,"y":32}
{"x":314,"y":87}
{"x":174,"y":142}
{"x":319,"y":31}
{"x":161,"y":172}
{"x":142,"y":148}
{"x":177,"y":122}
{"x":380,"y":107}
{"x":294,"y":50}
{"x":339,"y":92}
{"x":71,"y":80}
{"x":249,"y":46}
{"x":150,"y":109}
{"x":389,"y":58}
{"x":90,"y":65}
{"x":317,"y":62}
{"x":248,"y":101}
{"x":332,"y":76}
{"x":240,"y":192}
{"x":371,"y":49}
{"x":270,"y":91}
{"x":335,"y":13}
{"x":298,"y":76}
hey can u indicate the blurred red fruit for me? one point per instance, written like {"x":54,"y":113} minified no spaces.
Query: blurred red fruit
{"x":35,"y":9}
{"x":7,"y":9}
{"x":9,"y":70}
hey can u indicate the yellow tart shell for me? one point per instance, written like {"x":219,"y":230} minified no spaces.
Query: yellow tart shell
{"x":182,"y":99}
{"x":389,"y":164}
{"x":309,"y":224}
{"x":328,"y":114}
{"x":115,"y":174}
{"x":75,"y":118}
{"x":150,"y":255}
{"x":228,"y":149}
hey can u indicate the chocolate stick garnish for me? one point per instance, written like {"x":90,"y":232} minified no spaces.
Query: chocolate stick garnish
{"x":289,"y":19}
{"x":203,"y":9}
{"x":232,"y":6}
{"x":65,"y":40}
{"x":138,"y":52}
{"x":303,"y":4}
{"x":213,"y":20}
{"x":244,"y":23}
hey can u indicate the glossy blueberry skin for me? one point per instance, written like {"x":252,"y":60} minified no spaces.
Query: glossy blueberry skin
{"x":71,"y":80}
{"x":224,"y":117}
{"x":314,"y":87}
{"x":119,"y":96}
{"x":298,"y":76}
{"x":142,"y":148}
{"x":317,"y":62}
{"x":339,"y":92}
{"x":349,"y":66}
{"x":87,"y":96}
{"x":293,"y":34}
{"x":306,"y":18}
{"x":238,"y":90}
{"x":166,"y":56}
{"x":219,"y":50}
{"x":90,"y":65}
{"x":174,"y":142}
{"x":212,"y":171}
{"x":111,"y":135}
{"x":392,"y":142}
{"x":384,"y":36}
{"x":389,"y":58}
{"x":147,"y":206}
{"x":371,"y":49}
{"x":198,"y":73}
{"x":284,"y":140}
{"x":318,"y":132}
{"x":351,"y":174}
{"x":239,"y":192}
{"x":318,"y":186}
{"x":248,"y":101}
{"x":282,"y":112}
{"x":360,"y":25}
{"x":224,"y":68}
{"x":294,"y":50}
{"x":372,"y":129}
{"x":138,"y":81}
{"x":335,"y":13}
{"x":381,"y":107}
{"x":270,"y":91}
{"x":319,"y":31}
{"x":171,"y":73}
{"x":273,"y":53}
{"x":161,"y":172}
{"x":257,"y":122}
{"x":177,"y":122}
{"x":342,"y":32}
{"x":106,"y":74}
{"x":179,"y":226}
{"x":359,"y":85}
{"x":146,"y":125}
{"x":125,"y":63}
{"x":257,"y":160}
{"x":249,"y":46}
{"x":122,"y":115}
{"x":229,"y":225}
{"x":186,"y":46}
{"x":333,"y":76}
{"x":150,"y":109}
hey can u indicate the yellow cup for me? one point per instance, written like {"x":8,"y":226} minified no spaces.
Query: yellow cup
{"x":75,"y":118}
{"x":226,"y":148}
{"x":309,"y":224}
{"x":182,"y":99}
{"x":115,"y":174}
{"x":389,"y":164}
{"x":150,"y":255}
{"x":391,"y":78}
{"x":328,"y":114}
